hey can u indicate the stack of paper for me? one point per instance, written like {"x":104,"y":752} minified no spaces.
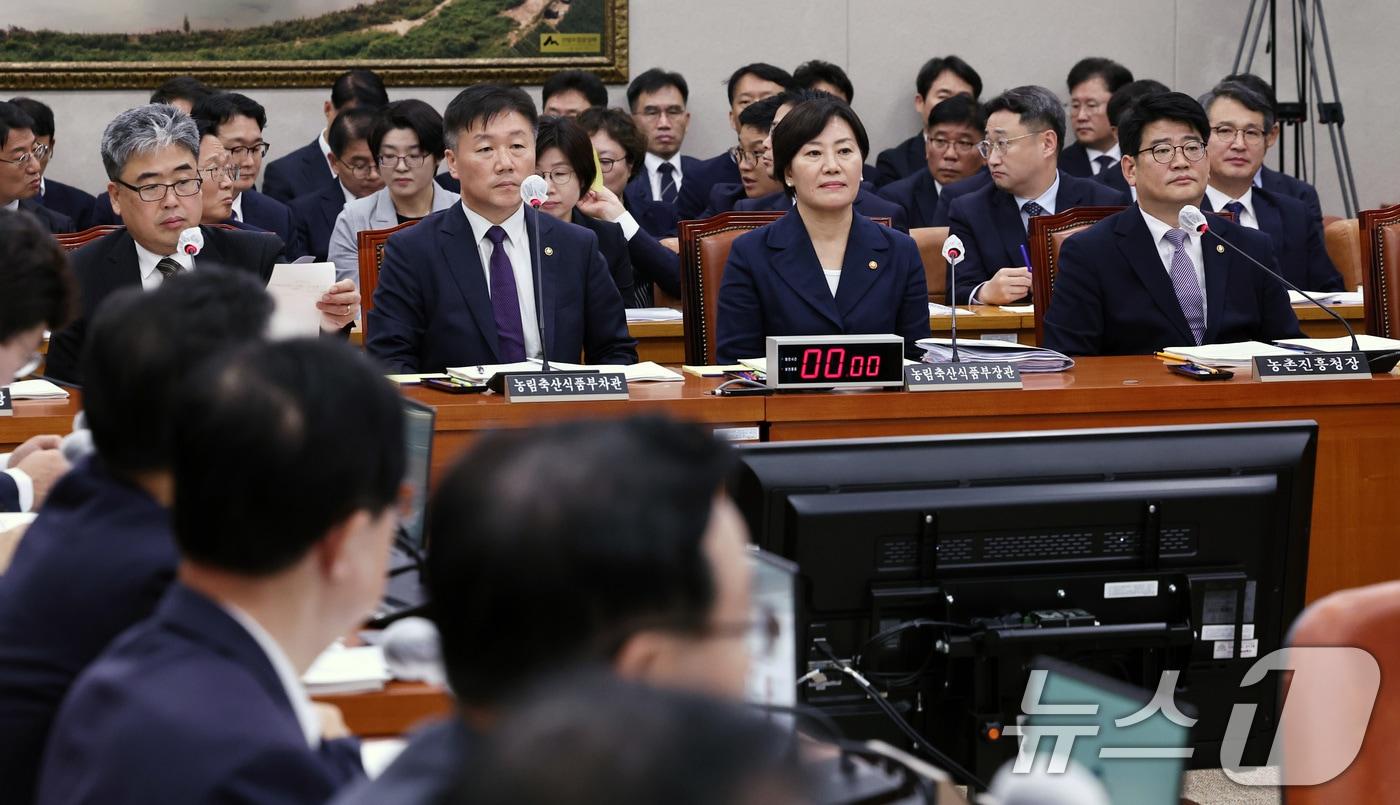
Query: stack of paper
{"x":37,"y":389}
{"x":1232,"y":355}
{"x":1027,"y":359}
{"x":646,"y":371}
{"x":653,"y":314}
{"x":935,"y":309}
{"x":347,"y":670}
{"x":1368,"y":343}
{"x":1019,"y":309}
{"x":1326,"y":297}
{"x":295,"y":289}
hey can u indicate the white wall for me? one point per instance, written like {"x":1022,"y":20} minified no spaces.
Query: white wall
{"x":1187,"y":44}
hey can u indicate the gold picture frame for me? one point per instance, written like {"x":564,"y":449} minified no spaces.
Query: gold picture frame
{"x":559,"y":43}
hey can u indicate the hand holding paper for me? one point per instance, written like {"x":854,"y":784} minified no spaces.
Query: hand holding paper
{"x":299,"y":293}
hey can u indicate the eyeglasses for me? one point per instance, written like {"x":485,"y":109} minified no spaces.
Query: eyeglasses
{"x":1252,"y":136}
{"x":559,"y":176}
{"x":358,"y":169}
{"x":959,"y":146}
{"x":986,"y":147}
{"x":653,"y":112}
{"x":742,"y":156}
{"x":1194,"y":151}
{"x":157,"y":192}
{"x":390,"y":161}
{"x":1092,"y":106}
{"x":607,"y":164}
{"x":243,"y":151}
{"x":213,"y":174}
{"x":39,"y":152}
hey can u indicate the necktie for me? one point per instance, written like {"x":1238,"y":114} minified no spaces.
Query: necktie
{"x":1104,"y":161}
{"x":168,"y":267}
{"x":1188,"y":287}
{"x":505,"y":302}
{"x":233,"y":215}
{"x":668,"y":182}
{"x":1031,"y":209}
{"x":1235,"y":208}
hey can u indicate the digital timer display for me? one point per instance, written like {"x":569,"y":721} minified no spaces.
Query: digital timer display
{"x":832,"y":361}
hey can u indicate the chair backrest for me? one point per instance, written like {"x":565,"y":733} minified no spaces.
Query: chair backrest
{"x":1343,"y":238}
{"x":371,"y":250}
{"x":1047,"y":234}
{"x":1366,"y":618}
{"x":77,"y":240}
{"x":1380,"y":259}
{"x":705,"y":248}
{"x":930,"y":240}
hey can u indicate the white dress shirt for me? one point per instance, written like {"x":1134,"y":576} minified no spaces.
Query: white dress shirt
{"x":12,"y":206}
{"x":652,"y":162}
{"x":349,"y":197}
{"x":286,"y":674}
{"x":1218,"y":200}
{"x":1046,"y":200}
{"x":237,"y":213}
{"x":325,"y":151}
{"x":517,"y":246}
{"x":1116,"y":152}
{"x":146,"y":261}
{"x":1159,"y":230}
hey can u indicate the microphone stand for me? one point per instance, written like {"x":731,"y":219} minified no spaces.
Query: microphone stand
{"x":539,"y":285}
{"x":953,"y":297}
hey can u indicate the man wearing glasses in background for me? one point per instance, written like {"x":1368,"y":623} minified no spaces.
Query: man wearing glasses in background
{"x":1135,"y":282}
{"x":1092,"y":83}
{"x":22,"y":169}
{"x":1025,"y":127}
{"x":658,"y":100}
{"x":752,"y":157}
{"x":955,"y":127}
{"x":356,"y":176}
{"x":151,"y":155}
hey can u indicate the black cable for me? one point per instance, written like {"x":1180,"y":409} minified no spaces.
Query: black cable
{"x":898,"y":628}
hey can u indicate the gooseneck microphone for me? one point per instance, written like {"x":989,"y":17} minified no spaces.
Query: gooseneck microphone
{"x":953,"y":253}
{"x":1192,"y":219}
{"x":533,"y":191}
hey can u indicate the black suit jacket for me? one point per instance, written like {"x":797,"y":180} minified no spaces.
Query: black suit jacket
{"x":653,"y":263}
{"x":896,"y":163}
{"x":9,"y":494}
{"x":917,"y":193}
{"x":315,"y":215}
{"x":723,"y":197}
{"x":271,"y":215}
{"x":109,"y":264}
{"x":69,"y":200}
{"x":962,"y":187}
{"x":613,"y":246}
{"x":1113,"y":177}
{"x":700,"y":179}
{"x":1299,"y":248}
{"x":1283,"y":184}
{"x":1074,"y":160}
{"x":1114,"y":297}
{"x":867,"y":203}
{"x":654,"y":215}
{"x":297,"y":173}
{"x":989,"y":224}
{"x":53,"y":220}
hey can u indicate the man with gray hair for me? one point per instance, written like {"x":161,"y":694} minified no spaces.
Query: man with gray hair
{"x":1025,"y":127}
{"x":151,"y":157}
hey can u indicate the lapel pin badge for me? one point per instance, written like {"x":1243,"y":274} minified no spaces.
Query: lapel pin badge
{"x":549,"y":251}
{"x":874,"y":265}
{"x":1219,"y":249}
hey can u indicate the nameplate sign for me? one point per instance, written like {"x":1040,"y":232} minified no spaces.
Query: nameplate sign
{"x":7,"y":406}
{"x":1315,"y":366}
{"x":565,"y":387}
{"x":961,"y":376}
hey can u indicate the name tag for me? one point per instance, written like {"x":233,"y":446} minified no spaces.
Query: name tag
{"x":7,"y":407}
{"x":565,"y":387}
{"x":961,"y":376}
{"x":1316,"y":366}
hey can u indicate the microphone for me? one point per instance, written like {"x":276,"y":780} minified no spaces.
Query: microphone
{"x":191,"y":241}
{"x":533,"y":191}
{"x":953,"y":253}
{"x":1192,"y":219}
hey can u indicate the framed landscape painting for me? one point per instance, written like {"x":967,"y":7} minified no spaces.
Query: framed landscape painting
{"x":114,"y":44}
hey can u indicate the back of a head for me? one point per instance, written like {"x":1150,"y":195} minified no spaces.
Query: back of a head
{"x":654,"y":80}
{"x":36,"y":286}
{"x":359,"y":88}
{"x":479,"y":104}
{"x":1129,"y":93}
{"x":39,"y":112}
{"x":1115,"y":76}
{"x":142,"y":348}
{"x":1174,"y":106}
{"x":269,"y":453}
{"x":809,"y":74}
{"x":550,"y":546}
{"x":583,"y":82}
{"x":1037,"y":108}
{"x":182,"y":88}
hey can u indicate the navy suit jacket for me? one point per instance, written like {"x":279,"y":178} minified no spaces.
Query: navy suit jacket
{"x":989,"y":224}
{"x":109,"y":264}
{"x":94,"y":563}
{"x":773,"y":285}
{"x":432,"y":309}
{"x":1114,"y":297}
{"x":297,"y":173}
{"x":700,"y":179}
{"x":898,"y":162}
{"x":52,"y":220}
{"x":654,"y":215}
{"x":186,"y":707}
{"x":612,"y":244}
{"x":9,"y":494}
{"x":1074,"y":160}
{"x":1283,"y":184}
{"x":1299,"y":248}
{"x":315,"y":215}
{"x":1113,"y":177}
{"x":917,"y":194}
{"x":653,"y":263}
{"x":723,"y":197}
{"x":867,"y":203}
{"x":70,"y":201}
{"x":961,"y":187}
{"x":424,"y":772}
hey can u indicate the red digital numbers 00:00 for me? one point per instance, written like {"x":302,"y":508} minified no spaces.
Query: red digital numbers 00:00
{"x":831,"y":364}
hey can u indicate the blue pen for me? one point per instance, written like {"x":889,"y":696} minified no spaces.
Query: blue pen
{"x":1025,"y":255}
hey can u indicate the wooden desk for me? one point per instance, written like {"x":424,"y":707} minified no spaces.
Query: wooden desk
{"x":393,"y":711}
{"x":37,"y":417}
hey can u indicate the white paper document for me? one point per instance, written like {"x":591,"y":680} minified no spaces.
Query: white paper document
{"x":935,"y":309}
{"x":1326,"y":297}
{"x":295,"y":290}
{"x":1368,"y":343}
{"x":653,"y":314}
{"x":347,"y":670}
{"x":1239,"y":353}
{"x":37,"y":389}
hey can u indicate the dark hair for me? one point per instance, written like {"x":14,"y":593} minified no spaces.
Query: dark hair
{"x":653,"y":80}
{"x":1244,"y":96}
{"x":958,"y":110}
{"x":760,"y":114}
{"x":804,"y":123}
{"x":36,"y":286}
{"x":359,"y":87}
{"x":221,"y":107}
{"x":1176,"y":106}
{"x":1115,"y":75}
{"x":583,"y":82}
{"x":142,"y":348}
{"x":415,"y":115}
{"x":1127,"y":94}
{"x":13,"y":117}
{"x":612,"y":742}
{"x":550,"y":546}
{"x":808,"y":74}
{"x":620,"y":126}
{"x":1257,"y":84}
{"x":936,"y":66}
{"x":182,"y":88}
{"x":795,"y":96}
{"x":39,"y":112}
{"x":207,"y":128}
{"x":1035,"y":106}
{"x":760,"y":70}
{"x":268,"y":455}
{"x":352,"y":125}
{"x":572,"y":141}
{"x":482,"y":103}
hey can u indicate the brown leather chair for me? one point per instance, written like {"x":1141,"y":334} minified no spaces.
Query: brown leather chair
{"x":77,"y":240}
{"x":1367,"y":618}
{"x":370,"y":243}
{"x":1047,"y":234}
{"x":705,"y":248}
{"x":1343,"y":240}
{"x":1380,"y":260}
{"x":930,"y":240}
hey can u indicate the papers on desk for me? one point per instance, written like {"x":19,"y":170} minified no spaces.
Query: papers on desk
{"x":1326,"y":297}
{"x":347,"y":670}
{"x":1027,"y":359}
{"x":295,"y":290}
{"x":1022,"y":310}
{"x":713,"y":370}
{"x":653,"y":314}
{"x":935,"y":309}
{"x":1368,"y":343}
{"x":37,"y":389}
{"x":414,"y":380}
{"x":9,"y":520}
{"x":1229,"y":356}
{"x":644,"y":372}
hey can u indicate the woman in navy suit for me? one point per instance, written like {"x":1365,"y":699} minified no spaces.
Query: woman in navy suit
{"x":821,"y":269}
